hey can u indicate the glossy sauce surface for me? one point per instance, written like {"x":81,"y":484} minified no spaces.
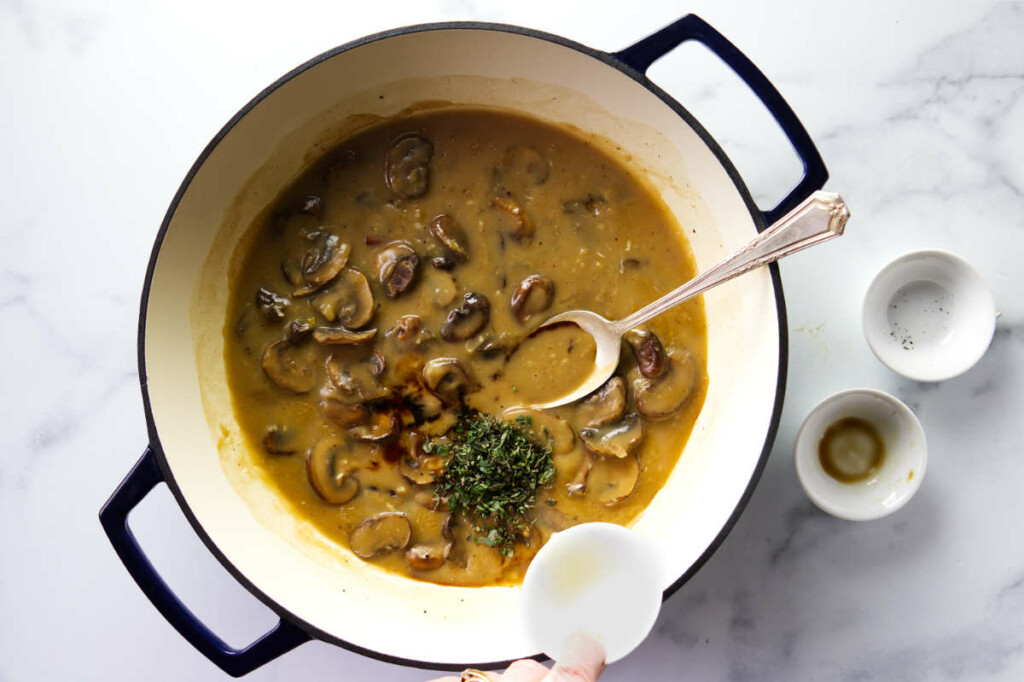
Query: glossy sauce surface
{"x":536,"y":220}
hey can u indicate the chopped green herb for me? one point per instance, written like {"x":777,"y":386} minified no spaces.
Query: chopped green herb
{"x":492,"y":473}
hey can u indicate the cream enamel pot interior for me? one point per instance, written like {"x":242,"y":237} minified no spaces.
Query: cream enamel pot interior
{"x":321,"y":590}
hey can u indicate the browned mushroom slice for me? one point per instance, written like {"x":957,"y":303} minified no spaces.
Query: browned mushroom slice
{"x":325,"y":260}
{"x":531,"y":296}
{"x":661,"y":398}
{"x":522,"y":167}
{"x":298,"y":331}
{"x":616,"y":439}
{"x":520,"y":223}
{"x":544,"y":428}
{"x":357,"y":382}
{"x":396,"y":268}
{"x":417,"y":466}
{"x":424,"y":557}
{"x":383,"y":428}
{"x":604,"y":405}
{"x":578,"y":484}
{"x":343,"y":414}
{"x":289,"y":366}
{"x":380,"y":534}
{"x":407,"y":165}
{"x":449,"y":380}
{"x":447,"y":231}
{"x":425,"y":406}
{"x":650,"y":356}
{"x":339,"y":336}
{"x":349,"y":300}
{"x":278,"y":440}
{"x":271,"y":305}
{"x":468,"y":319}
{"x":328,"y":473}
{"x":408,"y":332}
{"x":612,"y":480}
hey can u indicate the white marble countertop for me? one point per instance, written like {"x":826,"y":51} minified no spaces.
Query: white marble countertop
{"x":918,"y":110}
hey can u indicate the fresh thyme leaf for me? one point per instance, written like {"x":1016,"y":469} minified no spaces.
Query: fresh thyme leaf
{"x":492,"y":473}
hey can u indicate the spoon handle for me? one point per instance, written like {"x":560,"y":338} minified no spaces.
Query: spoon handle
{"x":820,"y":217}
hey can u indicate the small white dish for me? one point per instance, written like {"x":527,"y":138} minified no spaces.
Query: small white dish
{"x":596,"y":578}
{"x":897,"y":479}
{"x":929,"y":315}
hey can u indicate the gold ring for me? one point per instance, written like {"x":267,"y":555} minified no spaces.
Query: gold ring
{"x":473,"y":675}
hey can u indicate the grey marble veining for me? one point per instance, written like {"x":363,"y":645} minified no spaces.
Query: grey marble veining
{"x":918,"y":110}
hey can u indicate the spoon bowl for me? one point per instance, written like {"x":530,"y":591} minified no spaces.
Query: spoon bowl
{"x":819,"y":218}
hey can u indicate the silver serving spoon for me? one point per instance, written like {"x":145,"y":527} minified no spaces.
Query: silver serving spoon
{"x":822,"y":216}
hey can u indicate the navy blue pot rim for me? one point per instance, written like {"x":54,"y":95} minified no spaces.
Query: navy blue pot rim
{"x":608,"y":59}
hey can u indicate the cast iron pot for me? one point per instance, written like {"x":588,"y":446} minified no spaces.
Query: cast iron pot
{"x":318,"y":589}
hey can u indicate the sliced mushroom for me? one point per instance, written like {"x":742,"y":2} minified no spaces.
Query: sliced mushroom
{"x":328,"y":473}
{"x":379,"y":534}
{"x":449,"y":380}
{"x":357,"y":382}
{"x":545,"y":428}
{"x":409,"y":332}
{"x":522,"y":226}
{"x":349,"y":300}
{"x":522,"y":167}
{"x":289,"y":366}
{"x":425,"y":557}
{"x":339,"y":336}
{"x":577,"y":486}
{"x":324,"y":261}
{"x":468,"y":319}
{"x":425,"y":406}
{"x":407,"y":165}
{"x":418,"y":466}
{"x":396,"y":268}
{"x":650,"y":356}
{"x":616,"y":439}
{"x":531,"y":296}
{"x":612,"y":480}
{"x":442,"y":263}
{"x":271,"y":305}
{"x":298,"y":331}
{"x":661,"y":398}
{"x":343,"y":414}
{"x":604,"y":405}
{"x":383,"y":428}
{"x":451,"y":235}
{"x":278,"y":440}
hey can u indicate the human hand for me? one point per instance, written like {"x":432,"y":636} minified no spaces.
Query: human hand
{"x":583,"y":662}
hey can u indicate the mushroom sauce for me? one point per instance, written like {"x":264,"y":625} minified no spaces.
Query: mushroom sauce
{"x":381,"y":296}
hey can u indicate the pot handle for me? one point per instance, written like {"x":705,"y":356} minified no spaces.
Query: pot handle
{"x":648,"y":50}
{"x":144,"y":476}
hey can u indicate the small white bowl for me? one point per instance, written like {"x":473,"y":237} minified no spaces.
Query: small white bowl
{"x":929,"y":315}
{"x":901,"y":473}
